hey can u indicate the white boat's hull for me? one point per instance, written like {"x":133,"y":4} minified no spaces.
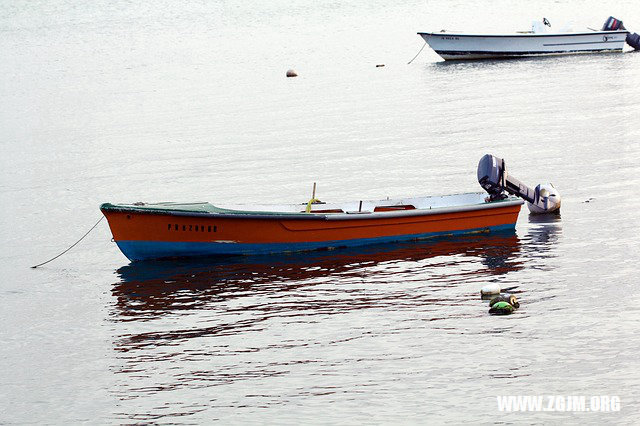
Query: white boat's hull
{"x":474,"y":46}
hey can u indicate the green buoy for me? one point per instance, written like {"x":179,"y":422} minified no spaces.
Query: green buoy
{"x":501,"y":308}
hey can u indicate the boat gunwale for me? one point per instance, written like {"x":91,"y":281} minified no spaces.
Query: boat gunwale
{"x":520,"y":35}
{"x":511,"y":201}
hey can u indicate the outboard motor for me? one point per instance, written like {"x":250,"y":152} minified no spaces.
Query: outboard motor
{"x":633,"y":40}
{"x":613,"y":24}
{"x":493,"y":177}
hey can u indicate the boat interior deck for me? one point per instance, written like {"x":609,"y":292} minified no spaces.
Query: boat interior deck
{"x":360,"y":206}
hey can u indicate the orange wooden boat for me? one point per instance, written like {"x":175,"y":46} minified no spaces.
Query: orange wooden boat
{"x":161,"y":230}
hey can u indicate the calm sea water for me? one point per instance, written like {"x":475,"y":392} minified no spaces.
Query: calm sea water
{"x":187,"y":101}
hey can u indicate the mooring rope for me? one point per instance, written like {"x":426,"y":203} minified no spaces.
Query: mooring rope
{"x":425,"y":43}
{"x":72,"y":246}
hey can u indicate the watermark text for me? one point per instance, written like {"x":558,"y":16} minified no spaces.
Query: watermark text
{"x":562,"y":403}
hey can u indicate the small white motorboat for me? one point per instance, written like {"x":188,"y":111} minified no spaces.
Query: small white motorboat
{"x":538,"y":41}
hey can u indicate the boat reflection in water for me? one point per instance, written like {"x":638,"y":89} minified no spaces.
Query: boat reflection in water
{"x":545,"y":228}
{"x":151,"y":289}
{"x":205,"y":326}
{"x":539,"y":242}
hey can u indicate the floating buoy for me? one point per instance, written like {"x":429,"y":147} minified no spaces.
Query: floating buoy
{"x":501,"y":308}
{"x":291,"y":73}
{"x":513,"y":301}
{"x":490,"y":289}
{"x":509,"y":298}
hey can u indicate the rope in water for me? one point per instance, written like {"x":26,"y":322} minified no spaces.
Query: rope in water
{"x":419,"y":51}
{"x":72,"y":246}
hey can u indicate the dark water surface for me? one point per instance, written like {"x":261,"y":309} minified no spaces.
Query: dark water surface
{"x":187,"y":101}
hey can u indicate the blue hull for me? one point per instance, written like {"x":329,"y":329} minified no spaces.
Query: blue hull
{"x":145,"y":250}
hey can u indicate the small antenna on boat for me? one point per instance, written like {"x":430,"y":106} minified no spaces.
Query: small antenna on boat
{"x":313,"y":199}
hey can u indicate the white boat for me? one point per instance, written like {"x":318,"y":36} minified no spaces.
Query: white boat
{"x":458,"y":46}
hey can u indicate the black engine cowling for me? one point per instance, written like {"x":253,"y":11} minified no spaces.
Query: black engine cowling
{"x":613,"y":24}
{"x":493,"y":177}
{"x":633,"y":40}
